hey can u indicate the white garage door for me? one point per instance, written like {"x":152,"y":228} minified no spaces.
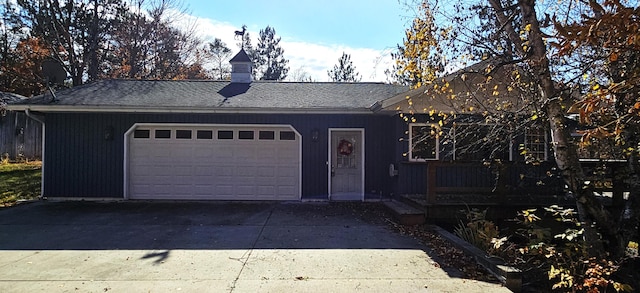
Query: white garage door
{"x":225,"y":162}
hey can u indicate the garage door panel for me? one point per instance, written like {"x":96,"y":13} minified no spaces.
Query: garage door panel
{"x":266,"y":190}
{"x":262,"y":168}
{"x":246,"y":171}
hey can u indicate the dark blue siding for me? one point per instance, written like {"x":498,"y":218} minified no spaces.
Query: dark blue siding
{"x":81,"y":163}
{"x":467,"y":177}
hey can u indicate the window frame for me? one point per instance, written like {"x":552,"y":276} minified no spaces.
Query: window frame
{"x":545,"y":144}
{"x":437,"y":143}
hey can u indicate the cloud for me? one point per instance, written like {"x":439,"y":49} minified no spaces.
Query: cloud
{"x":303,"y":56}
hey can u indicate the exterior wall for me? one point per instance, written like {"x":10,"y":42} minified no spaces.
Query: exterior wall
{"x":20,"y":136}
{"x":446,"y":176}
{"x":80,"y":162}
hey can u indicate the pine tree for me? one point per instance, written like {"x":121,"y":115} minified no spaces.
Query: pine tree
{"x":270,"y":61}
{"x":344,"y":71}
{"x":219,"y":53}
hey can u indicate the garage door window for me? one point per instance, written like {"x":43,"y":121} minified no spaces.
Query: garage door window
{"x":245,"y":134}
{"x":287,"y":135}
{"x":141,"y":133}
{"x":183,"y":134}
{"x":161,"y":133}
{"x":225,"y":134}
{"x":266,"y":135}
{"x":204,"y":134}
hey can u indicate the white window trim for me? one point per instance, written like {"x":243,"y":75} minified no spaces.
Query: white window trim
{"x":546,"y":143}
{"x":411,"y":159}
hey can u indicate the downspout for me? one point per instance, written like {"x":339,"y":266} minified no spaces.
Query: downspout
{"x":30,"y":115}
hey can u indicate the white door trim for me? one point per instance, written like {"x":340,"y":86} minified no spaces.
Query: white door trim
{"x":127,"y":135}
{"x":330,"y":153}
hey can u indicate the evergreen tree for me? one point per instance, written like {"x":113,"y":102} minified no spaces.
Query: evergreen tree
{"x":219,"y":52}
{"x":270,"y":61}
{"x":344,"y":71}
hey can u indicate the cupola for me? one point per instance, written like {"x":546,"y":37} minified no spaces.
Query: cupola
{"x":241,"y":67}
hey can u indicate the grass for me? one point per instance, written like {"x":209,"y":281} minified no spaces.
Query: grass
{"x":19,"y":181}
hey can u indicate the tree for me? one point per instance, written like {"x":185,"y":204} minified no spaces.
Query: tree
{"x":300,"y":75}
{"x":220,"y":53}
{"x":416,"y":62}
{"x":344,"y":71}
{"x":609,"y":108}
{"x":270,"y":61}
{"x":20,"y":68}
{"x":508,"y":39}
{"x":96,"y":39}
{"x":75,"y":31}
{"x":153,"y":48}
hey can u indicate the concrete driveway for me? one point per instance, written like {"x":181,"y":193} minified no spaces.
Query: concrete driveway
{"x":212,"y":247}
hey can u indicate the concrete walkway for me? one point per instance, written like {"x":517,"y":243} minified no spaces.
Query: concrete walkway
{"x":212,"y":247}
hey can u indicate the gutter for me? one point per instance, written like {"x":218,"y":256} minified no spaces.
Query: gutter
{"x":29,"y":114}
{"x":196,"y":110}
{"x":32,"y":116}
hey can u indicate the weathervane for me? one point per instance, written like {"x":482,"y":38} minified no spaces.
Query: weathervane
{"x":241,"y":33}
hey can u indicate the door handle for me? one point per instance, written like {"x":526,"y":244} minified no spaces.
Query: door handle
{"x":333,"y":171}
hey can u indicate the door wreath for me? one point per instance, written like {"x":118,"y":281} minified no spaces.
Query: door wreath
{"x":345,"y":147}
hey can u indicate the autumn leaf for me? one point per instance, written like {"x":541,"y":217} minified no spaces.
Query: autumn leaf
{"x":613,"y":57}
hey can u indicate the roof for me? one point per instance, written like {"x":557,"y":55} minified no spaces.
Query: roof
{"x":240,"y":57}
{"x":213,"y":96}
{"x":10,"y":97}
{"x":469,"y":90}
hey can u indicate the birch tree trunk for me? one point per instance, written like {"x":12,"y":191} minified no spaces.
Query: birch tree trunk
{"x":590,"y":210}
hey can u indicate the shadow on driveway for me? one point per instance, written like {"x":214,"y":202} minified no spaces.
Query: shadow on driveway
{"x":138,"y":246}
{"x":195,"y":225}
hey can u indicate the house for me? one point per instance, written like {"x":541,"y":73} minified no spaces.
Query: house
{"x":240,"y":140}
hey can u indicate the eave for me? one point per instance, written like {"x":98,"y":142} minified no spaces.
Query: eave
{"x":128,"y":109}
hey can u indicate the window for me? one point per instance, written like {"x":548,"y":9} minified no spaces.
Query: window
{"x":183,"y":134}
{"x":245,"y":134}
{"x":225,"y":134}
{"x":423,"y":142}
{"x":141,"y":133}
{"x":535,"y":144}
{"x":478,"y":142}
{"x":204,"y":134}
{"x":161,"y":133}
{"x":244,"y":68}
{"x":266,"y":135}
{"x":287,"y":135}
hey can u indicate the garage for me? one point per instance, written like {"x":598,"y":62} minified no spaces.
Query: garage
{"x":212,"y":162}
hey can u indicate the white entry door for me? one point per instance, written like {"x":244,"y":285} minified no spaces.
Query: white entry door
{"x":346,"y":150}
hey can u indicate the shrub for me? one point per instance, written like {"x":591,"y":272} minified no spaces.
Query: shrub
{"x":476,"y":229}
{"x":552,"y":253}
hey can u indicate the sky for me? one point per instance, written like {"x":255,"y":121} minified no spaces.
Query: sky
{"x":314,"y":34}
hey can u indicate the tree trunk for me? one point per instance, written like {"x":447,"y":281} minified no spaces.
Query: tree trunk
{"x":591,"y":211}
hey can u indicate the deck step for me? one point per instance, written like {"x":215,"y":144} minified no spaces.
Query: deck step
{"x":405,"y":214}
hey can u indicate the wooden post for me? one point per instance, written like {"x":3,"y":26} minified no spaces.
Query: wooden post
{"x":431,"y":182}
{"x":618,"y":185}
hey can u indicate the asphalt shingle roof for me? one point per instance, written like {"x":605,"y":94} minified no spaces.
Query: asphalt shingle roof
{"x":241,"y":57}
{"x":206,"y":94}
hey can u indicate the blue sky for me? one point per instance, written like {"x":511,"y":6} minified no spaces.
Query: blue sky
{"x":314,"y":33}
